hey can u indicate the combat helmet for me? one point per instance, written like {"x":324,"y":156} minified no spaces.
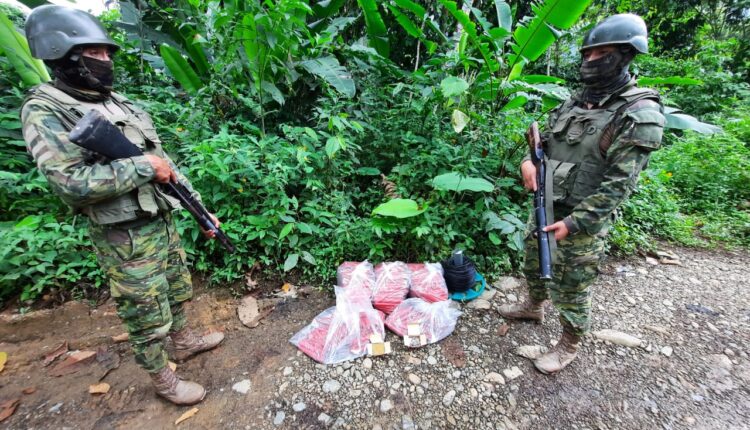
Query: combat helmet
{"x":622,"y":29}
{"x":52,"y":31}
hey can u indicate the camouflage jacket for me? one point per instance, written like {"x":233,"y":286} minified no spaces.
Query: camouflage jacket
{"x":108,"y":192}
{"x":596,"y":155}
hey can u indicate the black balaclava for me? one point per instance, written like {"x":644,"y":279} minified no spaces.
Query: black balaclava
{"x":605,"y":75}
{"x":78,"y":72}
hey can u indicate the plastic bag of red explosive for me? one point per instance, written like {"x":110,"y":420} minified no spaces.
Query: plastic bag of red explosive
{"x":436,"y":320}
{"x":356,"y":276}
{"x":342,"y":332}
{"x":427,"y":282}
{"x":391,"y":285}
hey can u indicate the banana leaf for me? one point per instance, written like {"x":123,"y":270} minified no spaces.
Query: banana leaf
{"x":531,"y":40}
{"x":14,"y":46}
{"x":180,"y":69}
{"x":672,"y":80}
{"x":377,"y":33}
{"x":331,"y":71}
{"x":681,"y":121}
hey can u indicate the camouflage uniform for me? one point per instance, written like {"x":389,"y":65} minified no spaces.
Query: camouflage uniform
{"x":131,"y":228}
{"x":589,"y":181}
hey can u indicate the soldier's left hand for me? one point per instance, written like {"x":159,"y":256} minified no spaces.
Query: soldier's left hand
{"x":559,"y":228}
{"x":209,"y":234}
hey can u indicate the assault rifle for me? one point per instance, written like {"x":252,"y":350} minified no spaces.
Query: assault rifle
{"x":540,"y":201}
{"x":94,"y":132}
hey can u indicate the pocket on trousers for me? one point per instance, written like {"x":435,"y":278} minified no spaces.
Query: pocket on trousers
{"x":121,"y":242}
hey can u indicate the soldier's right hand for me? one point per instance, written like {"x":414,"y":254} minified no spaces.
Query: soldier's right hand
{"x":528,"y":173}
{"x":162,"y":172}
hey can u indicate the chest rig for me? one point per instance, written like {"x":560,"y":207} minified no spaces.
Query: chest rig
{"x":147,"y":200}
{"x":577,"y":140}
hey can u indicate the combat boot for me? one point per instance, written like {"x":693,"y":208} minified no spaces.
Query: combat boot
{"x":177,"y":391}
{"x":187,"y":344}
{"x":529,"y":310}
{"x":560,"y":355}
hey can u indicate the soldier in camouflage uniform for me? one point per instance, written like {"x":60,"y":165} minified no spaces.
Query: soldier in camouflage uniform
{"x":137,"y":244}
{"x":597,"y":143}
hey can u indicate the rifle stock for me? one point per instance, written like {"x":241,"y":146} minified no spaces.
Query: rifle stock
{"x":95,"y":133}
{"x":540,"y":201}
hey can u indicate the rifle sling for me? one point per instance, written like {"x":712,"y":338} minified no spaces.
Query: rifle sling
{"x":548,"y":205}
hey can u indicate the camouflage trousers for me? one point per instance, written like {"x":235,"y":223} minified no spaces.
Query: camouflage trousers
{"x":575,"y":268}
{"x":149,"y":281}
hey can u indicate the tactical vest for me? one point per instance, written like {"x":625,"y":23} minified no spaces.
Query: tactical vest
{"x":577,"y":141}
{"x":145,"y":201}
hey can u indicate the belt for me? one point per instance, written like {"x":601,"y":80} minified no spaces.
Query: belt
{"x":136,"y":223}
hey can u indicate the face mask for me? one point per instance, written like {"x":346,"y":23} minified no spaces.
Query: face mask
{"x":602,"y":69}
{"x":103,"y":71}
{"x":605,"y":75}
{"x":86,"y":73}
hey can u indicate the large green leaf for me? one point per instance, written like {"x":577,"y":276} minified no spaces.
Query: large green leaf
{"x":325,"y":8}
{"x":672,"y":80}
{"x":459,"y":120}
{"x":414,"y":8}
{"x":328,"y":68}
{"x":255,"y":49}
{"x":406,"y":23}
{"x":13,"y":44}
{"x":453,"y":86}
{"x":456,"y":182}
{"x":504,"y":15}
{"x":541,"y":79}
{"x":180,"y":69}
{"x":531,"y":39}
{"x":291,"y":262}
{"x":682,"y":121}
{"x":377,"y":33}
{"x":399,"y":208}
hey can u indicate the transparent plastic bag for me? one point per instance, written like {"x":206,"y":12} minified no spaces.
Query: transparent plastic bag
{"x":391,"y":285}
{"x":342,"y":332}
{"x":358,"y":276}
{"x":437,"y":320}
{"x":427,"y":282}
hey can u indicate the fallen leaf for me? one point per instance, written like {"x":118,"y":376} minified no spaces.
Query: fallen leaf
{"x":52,"y":356}
{"x":186,"y":415}
{"x":454,"y":352}
{"x":7,"y":408}
{"x":3,"y":360}
{"x":248,"y":312}
{"x":108,"y":360}
{"x":102,"y":388}
{"x":252,"y":311}
{"x":29,"y":390}
{"x":503,"y":329}
{"x":172,"y":365}
{"x":73,"y":363}
{"x":120,"y":338}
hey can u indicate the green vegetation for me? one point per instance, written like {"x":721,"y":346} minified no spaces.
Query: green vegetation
{"x":387,"y":129}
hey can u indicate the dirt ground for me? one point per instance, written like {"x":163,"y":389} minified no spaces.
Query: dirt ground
{"x":690,"y":371}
